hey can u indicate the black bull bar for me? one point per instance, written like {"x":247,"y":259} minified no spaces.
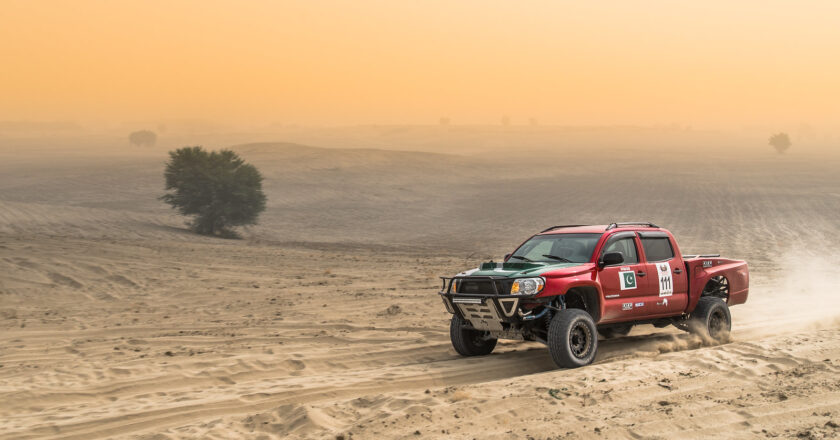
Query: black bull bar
{"x":476,"y":304}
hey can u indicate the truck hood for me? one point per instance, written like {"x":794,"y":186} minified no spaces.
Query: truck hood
{"x":518,"y":270}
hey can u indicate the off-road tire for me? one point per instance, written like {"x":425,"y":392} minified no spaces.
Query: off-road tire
{"x":572,"y":338}
{"x":615,"y":331}
{"x":711,"y":319}
{"x":468,"y":342}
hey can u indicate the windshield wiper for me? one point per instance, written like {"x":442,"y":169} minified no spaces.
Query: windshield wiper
{"x":522,"y":258}
{"x":555,"y":257}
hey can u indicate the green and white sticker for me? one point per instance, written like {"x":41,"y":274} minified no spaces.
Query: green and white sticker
{"x":628,"y":280}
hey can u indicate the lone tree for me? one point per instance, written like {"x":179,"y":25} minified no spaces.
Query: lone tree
{"x":218,"y":188}
{"x":143,"y":138}
{"x":780,"y":141}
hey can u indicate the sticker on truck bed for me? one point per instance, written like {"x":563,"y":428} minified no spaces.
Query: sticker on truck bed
{"x":666,"y":281}
{"x":628,"y":280}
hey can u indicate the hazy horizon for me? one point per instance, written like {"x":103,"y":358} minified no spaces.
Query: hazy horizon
{"x":755,"y":66}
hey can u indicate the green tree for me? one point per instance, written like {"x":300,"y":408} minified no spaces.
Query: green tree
{"x":780,"y":141}
{"x":218,"y":188}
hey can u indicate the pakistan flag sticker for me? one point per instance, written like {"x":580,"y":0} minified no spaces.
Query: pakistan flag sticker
{"x":628,"y":280}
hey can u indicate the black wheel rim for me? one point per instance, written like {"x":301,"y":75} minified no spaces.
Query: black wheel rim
{"x":717,"y":323}
{"x":580,"y":340}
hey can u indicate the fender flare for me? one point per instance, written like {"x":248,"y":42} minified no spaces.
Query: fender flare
{"x":591,"y":293}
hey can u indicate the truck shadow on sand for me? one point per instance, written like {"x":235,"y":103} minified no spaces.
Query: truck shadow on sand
{"x":533,"y":358}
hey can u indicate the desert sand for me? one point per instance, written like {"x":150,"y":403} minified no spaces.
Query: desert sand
{"x":323,"y":320}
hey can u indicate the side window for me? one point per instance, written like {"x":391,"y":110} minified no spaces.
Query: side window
{"x":657,"y":248}
{"x":627,"y":247}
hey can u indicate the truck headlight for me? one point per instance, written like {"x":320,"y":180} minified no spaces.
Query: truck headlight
{"x":527,"y":286}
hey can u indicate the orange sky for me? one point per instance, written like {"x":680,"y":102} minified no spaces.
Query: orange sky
{"x":705,"y":63}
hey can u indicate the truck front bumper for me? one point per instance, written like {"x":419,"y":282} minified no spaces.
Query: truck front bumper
{"x":496,"y":313}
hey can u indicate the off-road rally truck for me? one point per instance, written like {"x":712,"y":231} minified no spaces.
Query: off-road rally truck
{"x":566,"y":284}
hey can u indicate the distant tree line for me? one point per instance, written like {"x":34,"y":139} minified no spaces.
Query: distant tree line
{"x":143,"y":138}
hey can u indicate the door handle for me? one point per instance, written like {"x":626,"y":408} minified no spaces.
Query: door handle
{"x":678,"y":271}
{"x":640,"y":273}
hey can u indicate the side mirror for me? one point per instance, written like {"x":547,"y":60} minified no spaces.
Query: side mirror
{"x":612,"y":258}
{"x":507,"y":256}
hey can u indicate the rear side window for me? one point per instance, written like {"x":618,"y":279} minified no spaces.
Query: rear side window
{"x":627,"y":247}
{"x":657,"y":248}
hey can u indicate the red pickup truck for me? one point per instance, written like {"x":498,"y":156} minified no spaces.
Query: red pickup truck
{"x":569,"y":283}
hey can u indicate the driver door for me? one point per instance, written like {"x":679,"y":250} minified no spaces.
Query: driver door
{"x":626,"y":285}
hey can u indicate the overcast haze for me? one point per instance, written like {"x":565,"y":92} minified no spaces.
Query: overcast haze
{"x":705,"y":64}
{"x":399,"y":142}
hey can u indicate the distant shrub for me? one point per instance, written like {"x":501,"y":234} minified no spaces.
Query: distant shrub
{"x":143,"y":138}
{"x":218,"y":188}
{"x":780,"y":141}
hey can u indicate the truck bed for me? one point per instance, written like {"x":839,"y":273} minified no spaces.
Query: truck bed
{"x":703,"y":268}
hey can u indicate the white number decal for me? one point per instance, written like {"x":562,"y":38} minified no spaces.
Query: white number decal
{"x":666,"y":282}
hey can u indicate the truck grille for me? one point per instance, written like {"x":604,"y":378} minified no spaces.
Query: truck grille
{"x":484,"y":286}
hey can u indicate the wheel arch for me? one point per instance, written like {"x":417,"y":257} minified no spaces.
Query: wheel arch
{"x":705,"y":288}
{"x":586,"y":297}
{"x":717,"y":286}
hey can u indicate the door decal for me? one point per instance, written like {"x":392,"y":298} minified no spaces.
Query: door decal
{"x":628,"y":280}
{"x":666,"y":282}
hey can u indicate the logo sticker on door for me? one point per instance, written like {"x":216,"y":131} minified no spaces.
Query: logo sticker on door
{"x":666,"y":281}
{"x":628,"y":280}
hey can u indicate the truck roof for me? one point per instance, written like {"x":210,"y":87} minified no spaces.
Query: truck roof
{"x":599,"y":229}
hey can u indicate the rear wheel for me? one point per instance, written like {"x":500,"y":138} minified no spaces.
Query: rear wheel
{"x":469,"y":342}
{"x":711,"y":319}
{"x":572,"y":338}
{"x":615,"y":331}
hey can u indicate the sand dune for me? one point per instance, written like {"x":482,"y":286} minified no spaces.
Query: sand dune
{"x":323,"y":321}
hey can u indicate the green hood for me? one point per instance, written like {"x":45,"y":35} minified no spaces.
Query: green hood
{"x":516,"y":270}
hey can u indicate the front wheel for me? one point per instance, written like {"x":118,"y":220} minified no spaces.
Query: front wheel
{"x":711,"y":319}
{"x":469,"y":342}
{"x":572,"y":338}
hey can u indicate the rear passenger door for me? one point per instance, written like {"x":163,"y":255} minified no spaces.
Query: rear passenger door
{"x":667,"y":274}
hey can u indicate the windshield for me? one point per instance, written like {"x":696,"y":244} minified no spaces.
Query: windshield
{"x":554,"y":248}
